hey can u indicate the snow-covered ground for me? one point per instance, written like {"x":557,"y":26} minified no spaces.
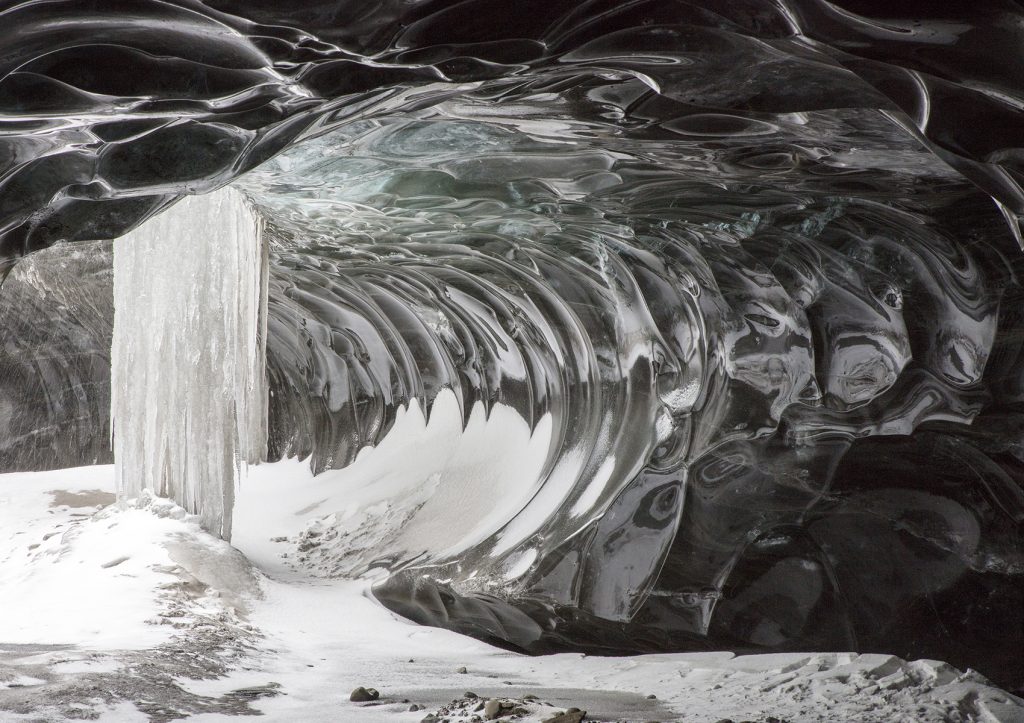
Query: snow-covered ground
{"x":136,"y":614}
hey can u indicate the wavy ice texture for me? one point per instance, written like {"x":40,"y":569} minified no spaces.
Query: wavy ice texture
{"x":735,"y":266}
{"x":56,"y":310}
{"x":188,"y":400}
{"x":680,"y":352}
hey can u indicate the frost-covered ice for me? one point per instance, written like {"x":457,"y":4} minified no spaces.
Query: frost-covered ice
{"x":187,"y":361}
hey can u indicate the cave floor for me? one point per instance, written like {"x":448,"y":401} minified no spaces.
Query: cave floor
{"x":135,"y":614}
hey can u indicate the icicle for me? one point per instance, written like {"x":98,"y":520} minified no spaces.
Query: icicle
{"x":189,"y":403}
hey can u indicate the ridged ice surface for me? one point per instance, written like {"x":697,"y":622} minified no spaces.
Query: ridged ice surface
{"x":738,"y":282}
{"x":56,"y":312}
{"x":188,"y":396}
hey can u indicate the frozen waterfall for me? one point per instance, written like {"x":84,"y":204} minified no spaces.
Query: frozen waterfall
{"x":188,"y":399}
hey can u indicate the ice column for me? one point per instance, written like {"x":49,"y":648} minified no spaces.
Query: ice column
{"x":189,"y":403}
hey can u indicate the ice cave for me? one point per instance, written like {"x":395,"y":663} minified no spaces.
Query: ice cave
{"x":554,"y":361}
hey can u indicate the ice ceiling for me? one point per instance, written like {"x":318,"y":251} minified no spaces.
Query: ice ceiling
{"x":749,"y":268}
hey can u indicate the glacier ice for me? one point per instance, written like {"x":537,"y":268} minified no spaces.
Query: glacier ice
{"x":740,"y":279}
{"x":56,"y":312}
{"x":188,"y":385}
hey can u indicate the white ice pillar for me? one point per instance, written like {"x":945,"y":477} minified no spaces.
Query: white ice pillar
{"x":189,"y":401}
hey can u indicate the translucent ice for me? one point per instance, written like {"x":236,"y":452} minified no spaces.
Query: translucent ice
{"x":188,"y":381}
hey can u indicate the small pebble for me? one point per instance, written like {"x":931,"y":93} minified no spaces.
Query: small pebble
{"x":462,"y":670}
{"x":364,"y":695}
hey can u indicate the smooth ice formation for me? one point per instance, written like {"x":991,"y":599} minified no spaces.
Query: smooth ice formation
{"x":710,"y":380}
{"x":188,"y":399}
{"x":724,"y":296}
